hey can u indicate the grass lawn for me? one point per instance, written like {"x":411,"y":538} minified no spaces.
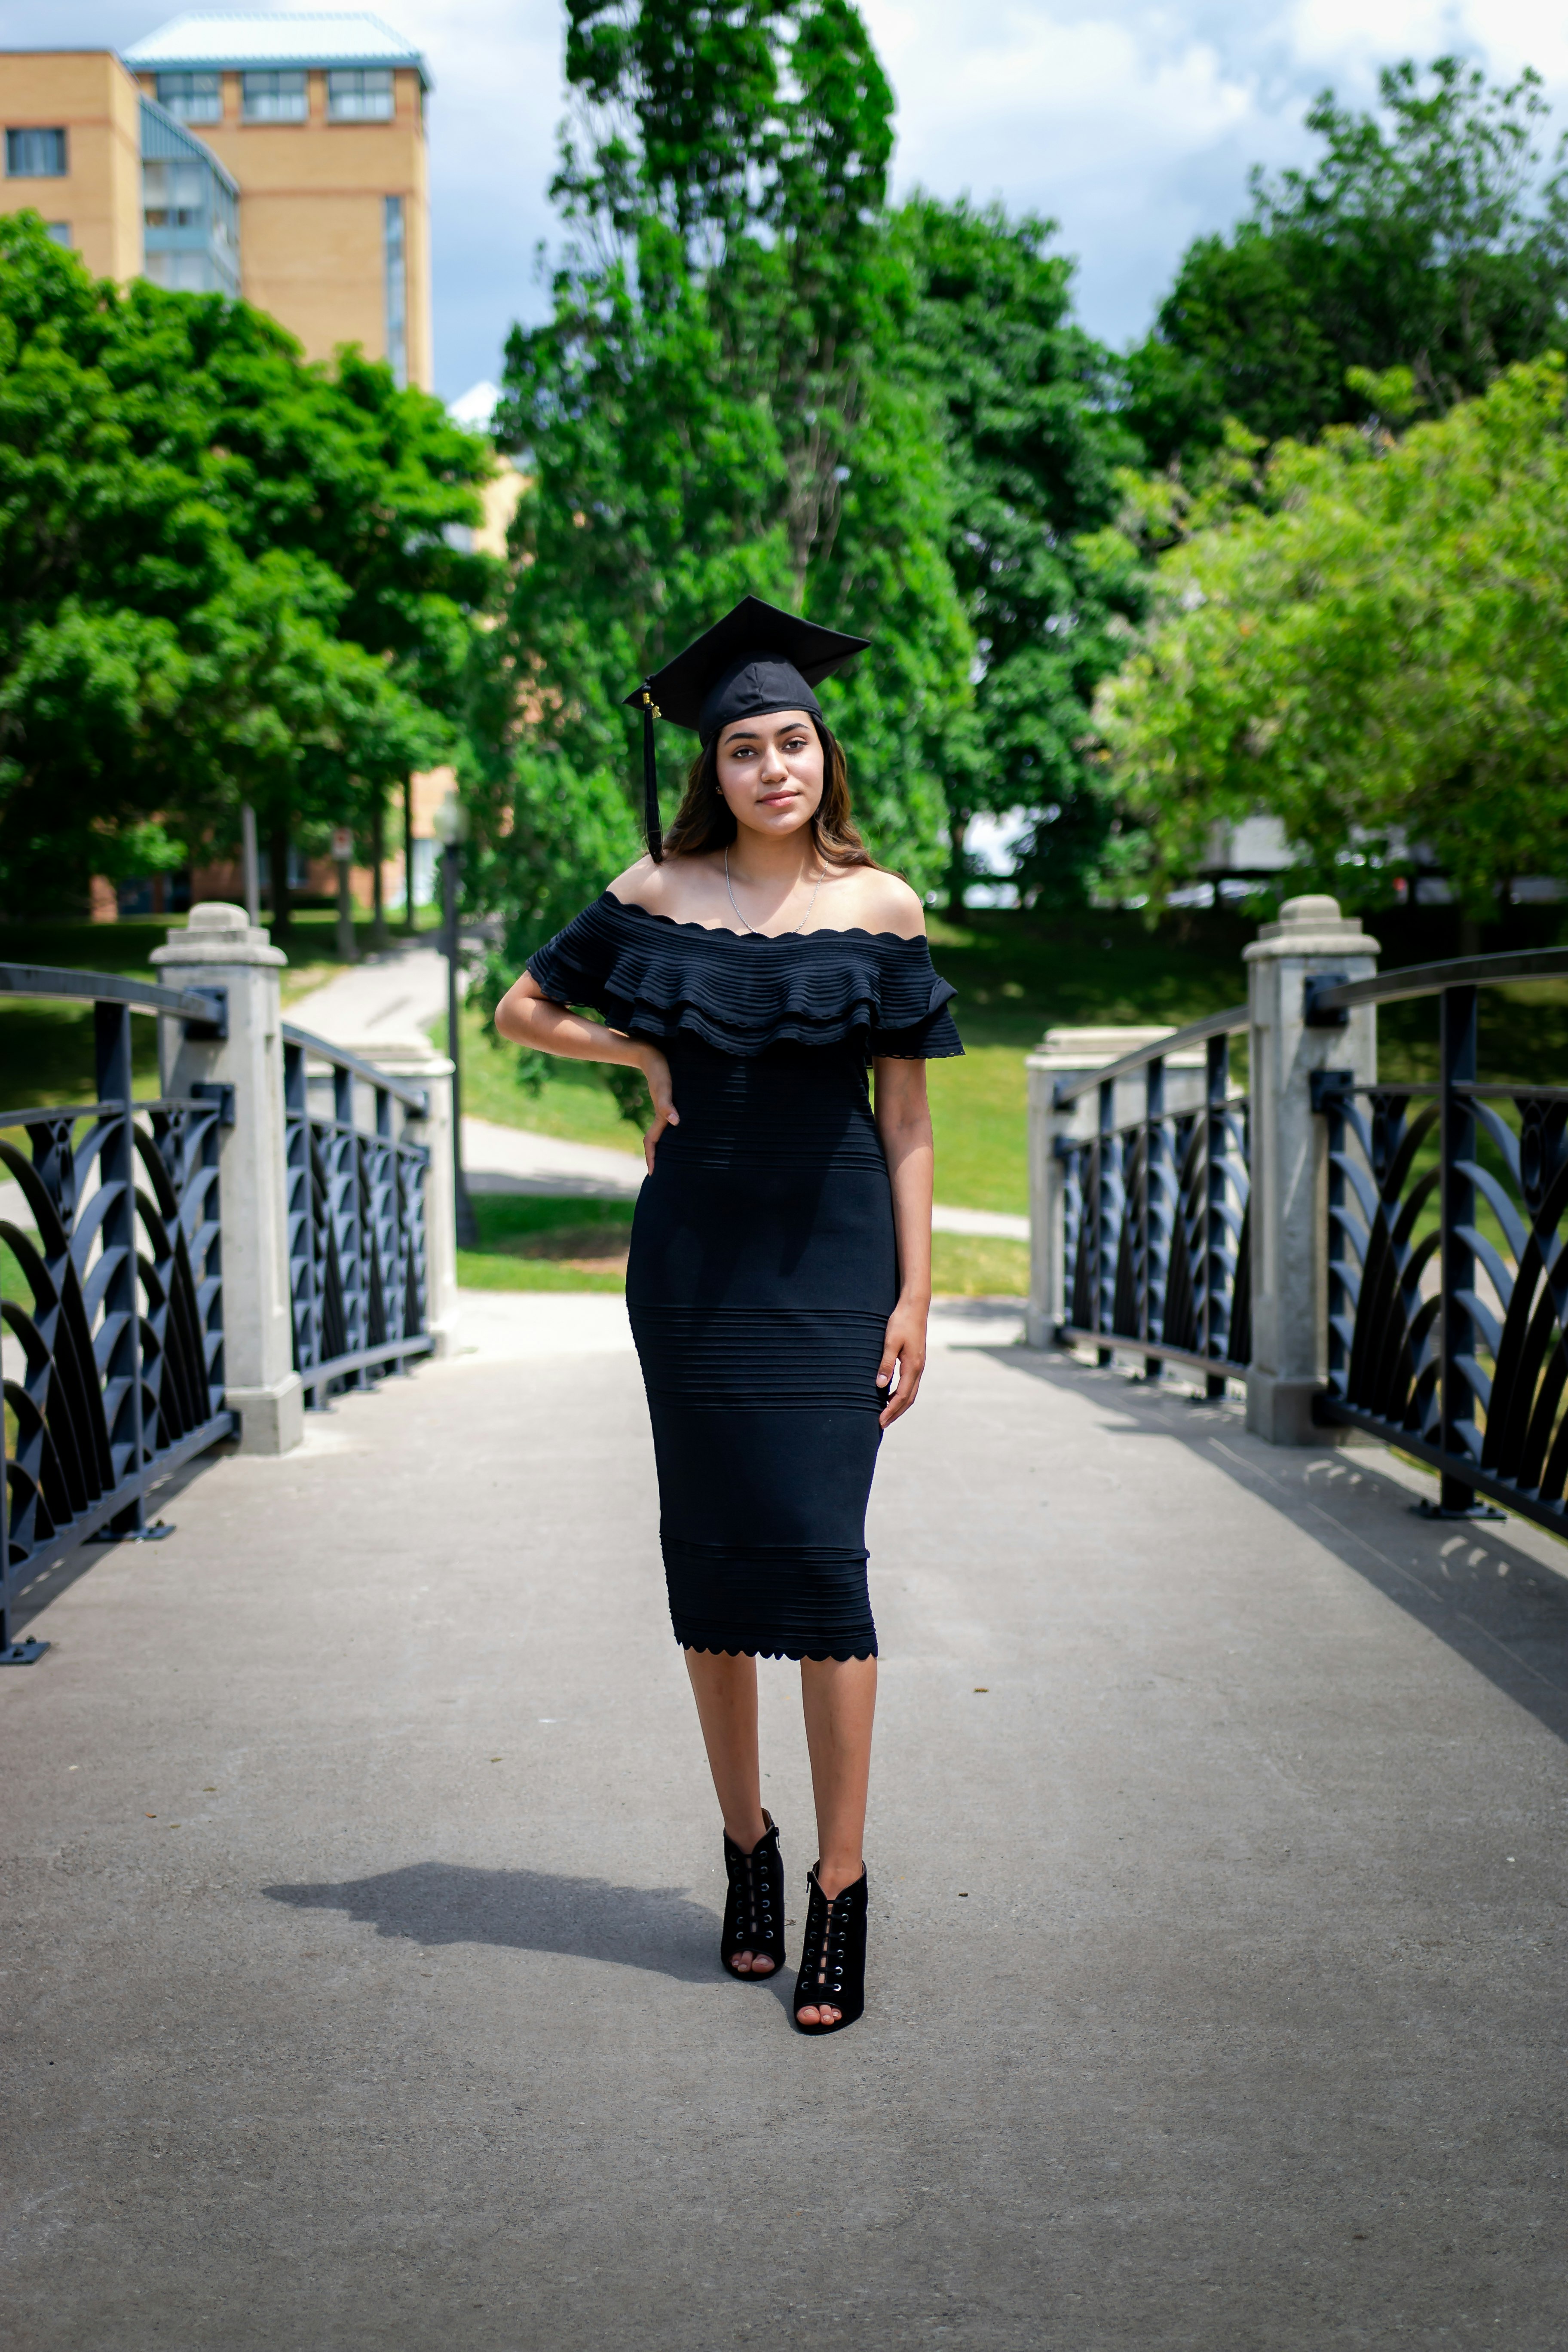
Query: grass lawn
{"x":45,"y":1046}
{"x":530,"y":1244}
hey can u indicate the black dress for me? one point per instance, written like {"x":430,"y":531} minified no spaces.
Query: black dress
{"x":762,"y":1266}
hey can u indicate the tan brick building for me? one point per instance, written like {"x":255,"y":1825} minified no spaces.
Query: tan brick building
{"x":280,"y":157}
{"x":73,"y":152}
{"x":321,"y":119}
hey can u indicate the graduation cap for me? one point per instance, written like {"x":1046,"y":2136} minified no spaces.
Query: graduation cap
{"x":755,"y":659}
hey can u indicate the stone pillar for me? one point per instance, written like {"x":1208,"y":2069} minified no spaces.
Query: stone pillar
{"x":416,"y":1060}
{"x":1062,"y":1055}
{"x":1289,"y":1165}
{"x":220,"y":949}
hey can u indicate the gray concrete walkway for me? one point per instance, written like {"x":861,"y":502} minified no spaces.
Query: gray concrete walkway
{"x":362,"y":1889}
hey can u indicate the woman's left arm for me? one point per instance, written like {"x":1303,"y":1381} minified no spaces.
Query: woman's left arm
{"x":904,"y":1122}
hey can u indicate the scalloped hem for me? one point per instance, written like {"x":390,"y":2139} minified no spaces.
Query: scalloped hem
{"x":783,"y":1649}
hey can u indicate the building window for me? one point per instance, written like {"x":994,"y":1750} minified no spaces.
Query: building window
{"x":185,"y":270}
{"x":192,"y":97}
{"x":360,"y":94}
{"x":275,"y":97}
{"x":174,"y":194}
{"x":396,"y":289}
{"x":60,"y":232}
{"x":36,"y":155}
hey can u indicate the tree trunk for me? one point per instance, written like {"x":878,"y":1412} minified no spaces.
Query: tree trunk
{"x":408,"y":854}
{"x":957,"y":827}
{"x":278,"y":872}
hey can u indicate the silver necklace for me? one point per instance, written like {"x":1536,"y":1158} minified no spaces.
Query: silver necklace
{"x":793,"y":933}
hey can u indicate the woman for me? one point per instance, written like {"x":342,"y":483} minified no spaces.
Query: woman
{"x":751,"y":967}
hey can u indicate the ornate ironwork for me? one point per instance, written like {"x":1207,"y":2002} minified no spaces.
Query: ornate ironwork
{"x":356,"y":1217}
{"x":1448,"y":1259}
{"x":113,"y":1372}
{"x":1155,"y":1236}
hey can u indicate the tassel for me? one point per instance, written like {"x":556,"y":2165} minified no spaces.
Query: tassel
{"x":650,"y":782}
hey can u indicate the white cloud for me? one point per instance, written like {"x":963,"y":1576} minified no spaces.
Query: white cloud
{"x":1133,"y":125}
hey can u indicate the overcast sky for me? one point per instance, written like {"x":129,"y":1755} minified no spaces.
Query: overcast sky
{"x":1132,"y":126}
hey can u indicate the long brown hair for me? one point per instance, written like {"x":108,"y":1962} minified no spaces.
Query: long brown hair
{"x":704,"y":820}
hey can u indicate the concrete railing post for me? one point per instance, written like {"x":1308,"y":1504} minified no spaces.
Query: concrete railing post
{"x":416,"y":1058}
{"x":1062,"y":1055}
{"x":220,"y":949}
{"x":1289,"y":1194}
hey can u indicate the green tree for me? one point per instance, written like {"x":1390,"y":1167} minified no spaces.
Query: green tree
{"x":224,"y":573}
{"x":1373,"y":645}
{"x":1033,"y":449}
{"x":720,"y":401}
{"x":1432,"y":236}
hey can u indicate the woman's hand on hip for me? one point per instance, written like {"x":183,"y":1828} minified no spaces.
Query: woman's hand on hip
{"x":656,"y":1070}
{"x":903,"y":1351}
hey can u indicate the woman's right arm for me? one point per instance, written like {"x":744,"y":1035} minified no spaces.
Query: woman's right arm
{"x":529,"y":1017}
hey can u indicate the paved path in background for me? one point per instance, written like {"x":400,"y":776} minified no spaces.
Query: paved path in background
{"x":400,"y":993}
{"x":396,"y":995}
{"x":362,"y":1892}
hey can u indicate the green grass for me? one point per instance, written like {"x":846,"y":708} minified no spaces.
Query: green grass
{"x":573,"y":1102}
{"x":965,"y":1265}
{"x":531,"y":1243}
{"x":46,"y":1044}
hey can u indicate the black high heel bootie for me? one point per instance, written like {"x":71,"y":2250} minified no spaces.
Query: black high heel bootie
{"x":755,"y":1912}
{"x":832,"y":1961}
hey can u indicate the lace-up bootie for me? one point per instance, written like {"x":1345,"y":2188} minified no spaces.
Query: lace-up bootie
{"x":755,"y":1913}
{"x":833,"y":1962}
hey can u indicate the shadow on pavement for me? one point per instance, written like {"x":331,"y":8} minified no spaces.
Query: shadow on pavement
{"x":528,"y":1911}
{"x":1492,"y":1602}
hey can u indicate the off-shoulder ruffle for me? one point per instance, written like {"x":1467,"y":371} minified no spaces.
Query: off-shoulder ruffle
{"x":741,"y":993}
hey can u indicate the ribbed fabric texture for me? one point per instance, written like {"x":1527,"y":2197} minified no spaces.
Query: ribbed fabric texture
{"x":741,"y":992}
{"x":762,"y":1266}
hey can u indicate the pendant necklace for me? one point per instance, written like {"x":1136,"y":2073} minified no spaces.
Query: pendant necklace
{"x":795,"y":931}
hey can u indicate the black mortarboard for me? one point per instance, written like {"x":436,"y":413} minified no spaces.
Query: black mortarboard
{"x":754,"y":660}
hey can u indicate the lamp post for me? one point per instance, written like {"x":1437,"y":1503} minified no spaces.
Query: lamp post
{"x":342,"y":858}
{"x":451,"y":821}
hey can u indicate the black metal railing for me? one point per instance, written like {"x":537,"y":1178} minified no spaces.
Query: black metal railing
{"x":1447,"y":1261}
{"x":356,"y":1217}
{"x":114,"y":1312}
{"x":1155,"y":1231}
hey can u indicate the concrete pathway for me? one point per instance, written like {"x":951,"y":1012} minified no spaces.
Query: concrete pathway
{"x":395,"y":994}
{"x":362,"y":1890}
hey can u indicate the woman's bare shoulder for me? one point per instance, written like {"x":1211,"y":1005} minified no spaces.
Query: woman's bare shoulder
{"x":676,"y":887}
{"x":867,"y":900}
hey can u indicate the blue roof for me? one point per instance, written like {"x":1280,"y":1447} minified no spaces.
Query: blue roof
{"x":314,"y":37}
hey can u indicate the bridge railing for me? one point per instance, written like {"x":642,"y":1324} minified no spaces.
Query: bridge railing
{"x":356,"y":1178}
{"x":1362,"y":1253}
{"x":1447,"y":1246}
{"x":113,"y":1304}
{"x":274,"y":1226}
{"x":1154,"y":1242}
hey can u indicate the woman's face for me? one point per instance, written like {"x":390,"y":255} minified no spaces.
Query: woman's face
{"x":770,"y":770}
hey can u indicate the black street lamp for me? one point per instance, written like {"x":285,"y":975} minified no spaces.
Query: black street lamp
{"x":451,"y":824}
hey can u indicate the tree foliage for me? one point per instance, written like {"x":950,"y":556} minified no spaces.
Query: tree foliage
{"x":718,"y":403}
{"x":224,"y":573}
{"x":1032,"y":445}
{"x":1370,"y":638}
{"x":1431,"y":236}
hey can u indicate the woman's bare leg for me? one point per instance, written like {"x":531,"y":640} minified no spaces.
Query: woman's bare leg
{"x":725,"y":1690}
{"x":839,"y":1696}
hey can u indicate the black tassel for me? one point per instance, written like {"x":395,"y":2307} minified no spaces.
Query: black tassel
{"x":650,"y":782}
